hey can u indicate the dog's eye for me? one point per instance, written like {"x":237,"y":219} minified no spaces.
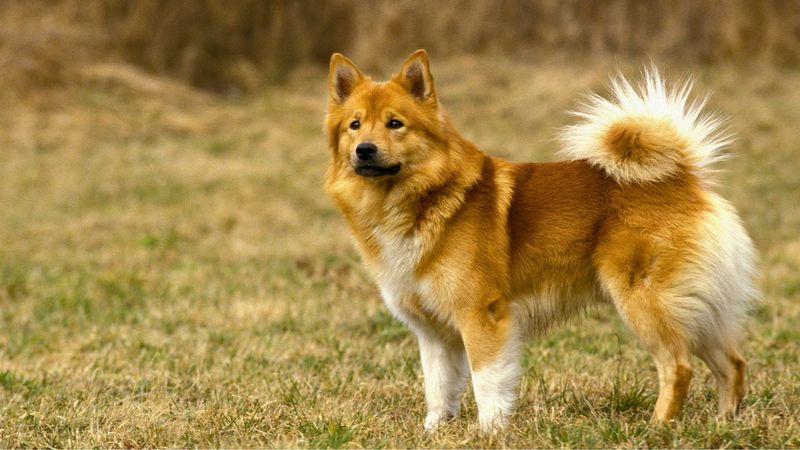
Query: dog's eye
{"x":394,"y":124}
{"x":354,"y":125}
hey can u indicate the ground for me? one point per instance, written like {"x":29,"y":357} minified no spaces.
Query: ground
{"x":171,"y":273}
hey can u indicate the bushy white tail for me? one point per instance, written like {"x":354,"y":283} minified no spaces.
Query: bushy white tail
{"x":645,"y":133}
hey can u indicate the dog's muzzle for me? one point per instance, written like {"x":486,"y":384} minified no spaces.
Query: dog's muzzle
{"x":367,"y":163}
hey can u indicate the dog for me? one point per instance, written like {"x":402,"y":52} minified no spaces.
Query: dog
{"x":473,"y":253}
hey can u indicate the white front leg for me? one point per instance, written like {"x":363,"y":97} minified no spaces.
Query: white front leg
{"x":445,"y":368}
{"x":496,"y":388}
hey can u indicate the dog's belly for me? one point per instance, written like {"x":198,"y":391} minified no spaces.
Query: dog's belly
{"x":536,"y":313}
{"x":544,"y":301}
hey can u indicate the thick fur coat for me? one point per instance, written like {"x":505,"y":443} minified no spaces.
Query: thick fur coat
{"x":474,"y":253}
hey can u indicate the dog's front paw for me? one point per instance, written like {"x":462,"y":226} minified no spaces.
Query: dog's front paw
{"x":436,"y":418}
{"x":493,"y":421}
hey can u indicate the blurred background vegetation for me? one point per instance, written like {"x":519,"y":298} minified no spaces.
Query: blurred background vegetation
{"x":222,"y":45}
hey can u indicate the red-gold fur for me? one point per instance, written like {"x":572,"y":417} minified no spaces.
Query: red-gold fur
{"x":474,"y":252}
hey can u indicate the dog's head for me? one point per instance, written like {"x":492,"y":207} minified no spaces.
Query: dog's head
{"x":384,"y":130}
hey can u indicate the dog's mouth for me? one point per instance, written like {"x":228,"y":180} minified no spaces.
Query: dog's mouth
{"x":367,"y":170}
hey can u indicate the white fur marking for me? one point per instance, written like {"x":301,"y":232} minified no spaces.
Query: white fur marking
{"x":445,"y":370}
{"x":396,"y":280}
{"x":496,"y":386}
{"x":718,"y":289}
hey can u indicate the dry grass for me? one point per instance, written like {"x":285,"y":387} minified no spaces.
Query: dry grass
{"x":172,"y":275}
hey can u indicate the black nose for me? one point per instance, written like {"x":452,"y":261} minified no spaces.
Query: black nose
{"x":365,"y":150}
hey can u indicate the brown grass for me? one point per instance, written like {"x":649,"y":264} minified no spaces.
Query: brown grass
{"x":171,"y":273}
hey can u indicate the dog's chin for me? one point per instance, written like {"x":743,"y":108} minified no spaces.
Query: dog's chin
{"x":366,"y":170}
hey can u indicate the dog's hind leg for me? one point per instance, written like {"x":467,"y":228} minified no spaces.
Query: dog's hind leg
{"x":668,"y":346}
{"x":723,"y":357}
{"x":675,"y":374}
{"x":659,"y":318}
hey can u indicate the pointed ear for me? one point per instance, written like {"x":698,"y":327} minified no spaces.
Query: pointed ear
{"x":343,"y":77}
{"x":416,"y":76}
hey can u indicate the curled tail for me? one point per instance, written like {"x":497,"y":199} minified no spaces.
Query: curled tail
{"x":646,"y":133}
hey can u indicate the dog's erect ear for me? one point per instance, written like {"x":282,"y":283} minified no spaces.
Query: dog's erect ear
{"x":416,"y":76}
{"x":344,"y":76}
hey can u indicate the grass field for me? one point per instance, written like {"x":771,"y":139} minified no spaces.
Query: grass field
{"x":171,"y":273}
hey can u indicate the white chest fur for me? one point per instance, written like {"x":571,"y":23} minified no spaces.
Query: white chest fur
{"x":396,"y":278}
